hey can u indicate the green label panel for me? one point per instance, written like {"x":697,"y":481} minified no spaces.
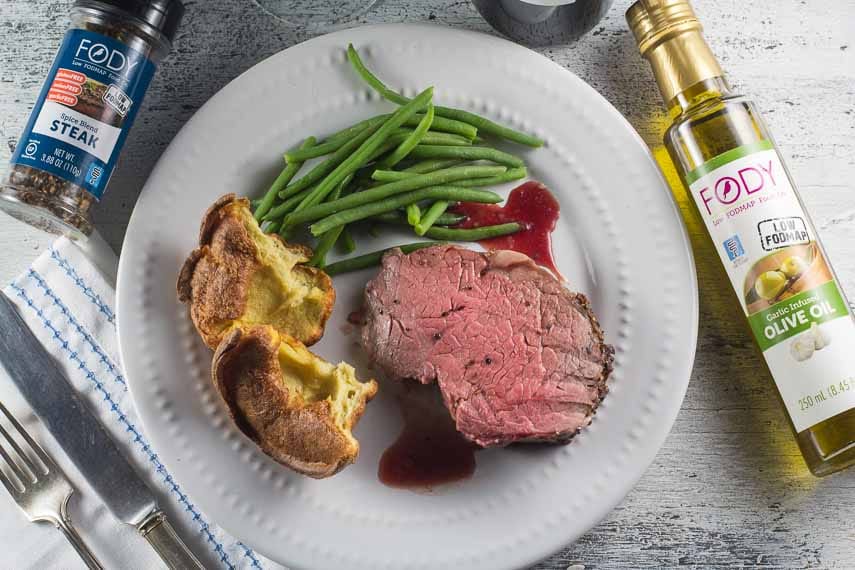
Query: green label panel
{"x":788,"y":318}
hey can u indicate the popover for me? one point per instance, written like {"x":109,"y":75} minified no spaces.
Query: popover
{"x":299,"y":408}
{"x":239,"y":277}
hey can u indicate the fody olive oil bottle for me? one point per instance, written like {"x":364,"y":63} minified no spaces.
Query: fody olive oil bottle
{"x":743,"y":193}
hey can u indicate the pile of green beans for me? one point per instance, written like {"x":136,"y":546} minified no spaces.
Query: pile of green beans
{"x":406,"y":168}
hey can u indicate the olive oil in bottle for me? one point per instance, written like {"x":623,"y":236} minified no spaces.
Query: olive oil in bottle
{"x":740,"y":188}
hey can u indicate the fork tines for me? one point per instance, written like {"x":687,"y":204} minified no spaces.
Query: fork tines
{"x":26,"y":469}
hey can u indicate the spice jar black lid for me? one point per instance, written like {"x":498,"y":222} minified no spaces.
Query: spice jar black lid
{"x":163,"y":15}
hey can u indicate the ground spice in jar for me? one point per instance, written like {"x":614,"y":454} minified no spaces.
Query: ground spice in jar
{"x":67,"y":152}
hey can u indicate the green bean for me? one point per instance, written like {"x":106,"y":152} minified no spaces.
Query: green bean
{"x":329,"y":239}
{"x":414,"y":214}
{"x":391,"y":175}
{"x":272,"y":227}
{"x":509,"y":176}
{"x":473,"y":234}
{"x":348,"y":132}
{"x":446,"y":219}
{"x":432,"y":138}
{"x":432,"y":165}
{"x":468,"y":153}
{"x":330,"y":164}
{"x":279,"y":211}
{"x":346,"y":242}
{"x":284,"y":232}
{"x":373,"y":258}
{"x":438,"y":178}
{"x":341,"y":190}
{"x":422,"y":167}
{"x":397,"y":201}
{"x":434,"y":212}
{"x":317,"y":150}
{"x":325,"y":244}
{"x":446,"y":125}
{"x":366,"y":149}
{"x":439,"y":124}
{"x":290,"y":170}
{"x":450,"y":219}
{"x":410,"y":142}
{"x":481,"y":123}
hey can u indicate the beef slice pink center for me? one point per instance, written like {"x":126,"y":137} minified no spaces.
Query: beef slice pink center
{"x":516,"y":355}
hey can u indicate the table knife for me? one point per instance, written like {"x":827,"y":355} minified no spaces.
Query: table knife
{"x":86,"y":442}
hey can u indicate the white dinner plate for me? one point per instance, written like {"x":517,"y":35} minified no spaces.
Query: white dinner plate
{"x":620,"y":240}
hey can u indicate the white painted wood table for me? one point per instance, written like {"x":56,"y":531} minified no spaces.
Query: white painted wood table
{"x":729,"y":487}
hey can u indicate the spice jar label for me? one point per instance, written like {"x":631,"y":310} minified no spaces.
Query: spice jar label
{"x":85,"y":110}
{"x":793,"y":302}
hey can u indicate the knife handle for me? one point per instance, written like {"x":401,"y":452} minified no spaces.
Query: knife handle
{"x":166,"y":542}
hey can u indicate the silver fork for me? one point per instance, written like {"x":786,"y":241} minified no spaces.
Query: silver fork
{"x":42,"y":491}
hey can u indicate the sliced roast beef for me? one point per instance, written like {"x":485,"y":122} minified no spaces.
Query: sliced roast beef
{"x":517,"y":356}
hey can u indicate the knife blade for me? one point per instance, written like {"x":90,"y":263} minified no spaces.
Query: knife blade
{"x":83,"y":438}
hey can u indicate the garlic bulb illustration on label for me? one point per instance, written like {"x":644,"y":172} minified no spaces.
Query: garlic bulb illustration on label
{"x":804,"y":345}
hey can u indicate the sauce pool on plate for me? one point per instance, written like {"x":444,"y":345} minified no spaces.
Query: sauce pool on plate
{"x":429,"y":450}
{"x":532,"y":205}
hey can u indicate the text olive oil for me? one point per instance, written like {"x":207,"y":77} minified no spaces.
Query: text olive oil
{"x":740,"y":188}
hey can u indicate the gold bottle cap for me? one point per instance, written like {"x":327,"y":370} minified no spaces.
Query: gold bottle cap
{"x":651,"y":21}
{"x":669,"y":36}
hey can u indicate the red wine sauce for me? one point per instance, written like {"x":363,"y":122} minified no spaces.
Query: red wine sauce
{"x":530,"y":204}
{"x":429,"y":451}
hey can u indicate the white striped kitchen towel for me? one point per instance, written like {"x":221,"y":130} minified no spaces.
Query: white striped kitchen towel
{"x":67,"y":299}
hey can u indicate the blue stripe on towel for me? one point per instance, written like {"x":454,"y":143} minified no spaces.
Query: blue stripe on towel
{"x":129,"y":427}
{"x":248,"y":553}
{"x":104,"y":359}
{"x":78,"y":281}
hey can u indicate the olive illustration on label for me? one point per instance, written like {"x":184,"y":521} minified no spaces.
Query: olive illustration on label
{"x":794,"y":266}
{"x":784,"y":274}
{"x":770,"y":284}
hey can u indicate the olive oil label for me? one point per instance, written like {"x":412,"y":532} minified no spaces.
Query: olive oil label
{"x":85,"y":110}
{"x":797,"y":312}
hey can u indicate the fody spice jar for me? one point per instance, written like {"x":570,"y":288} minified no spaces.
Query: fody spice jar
{"x":92,"y":94}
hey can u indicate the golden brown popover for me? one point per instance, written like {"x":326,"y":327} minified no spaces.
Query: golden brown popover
{"x":297,"y":407}
{"x":240,"y":276}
